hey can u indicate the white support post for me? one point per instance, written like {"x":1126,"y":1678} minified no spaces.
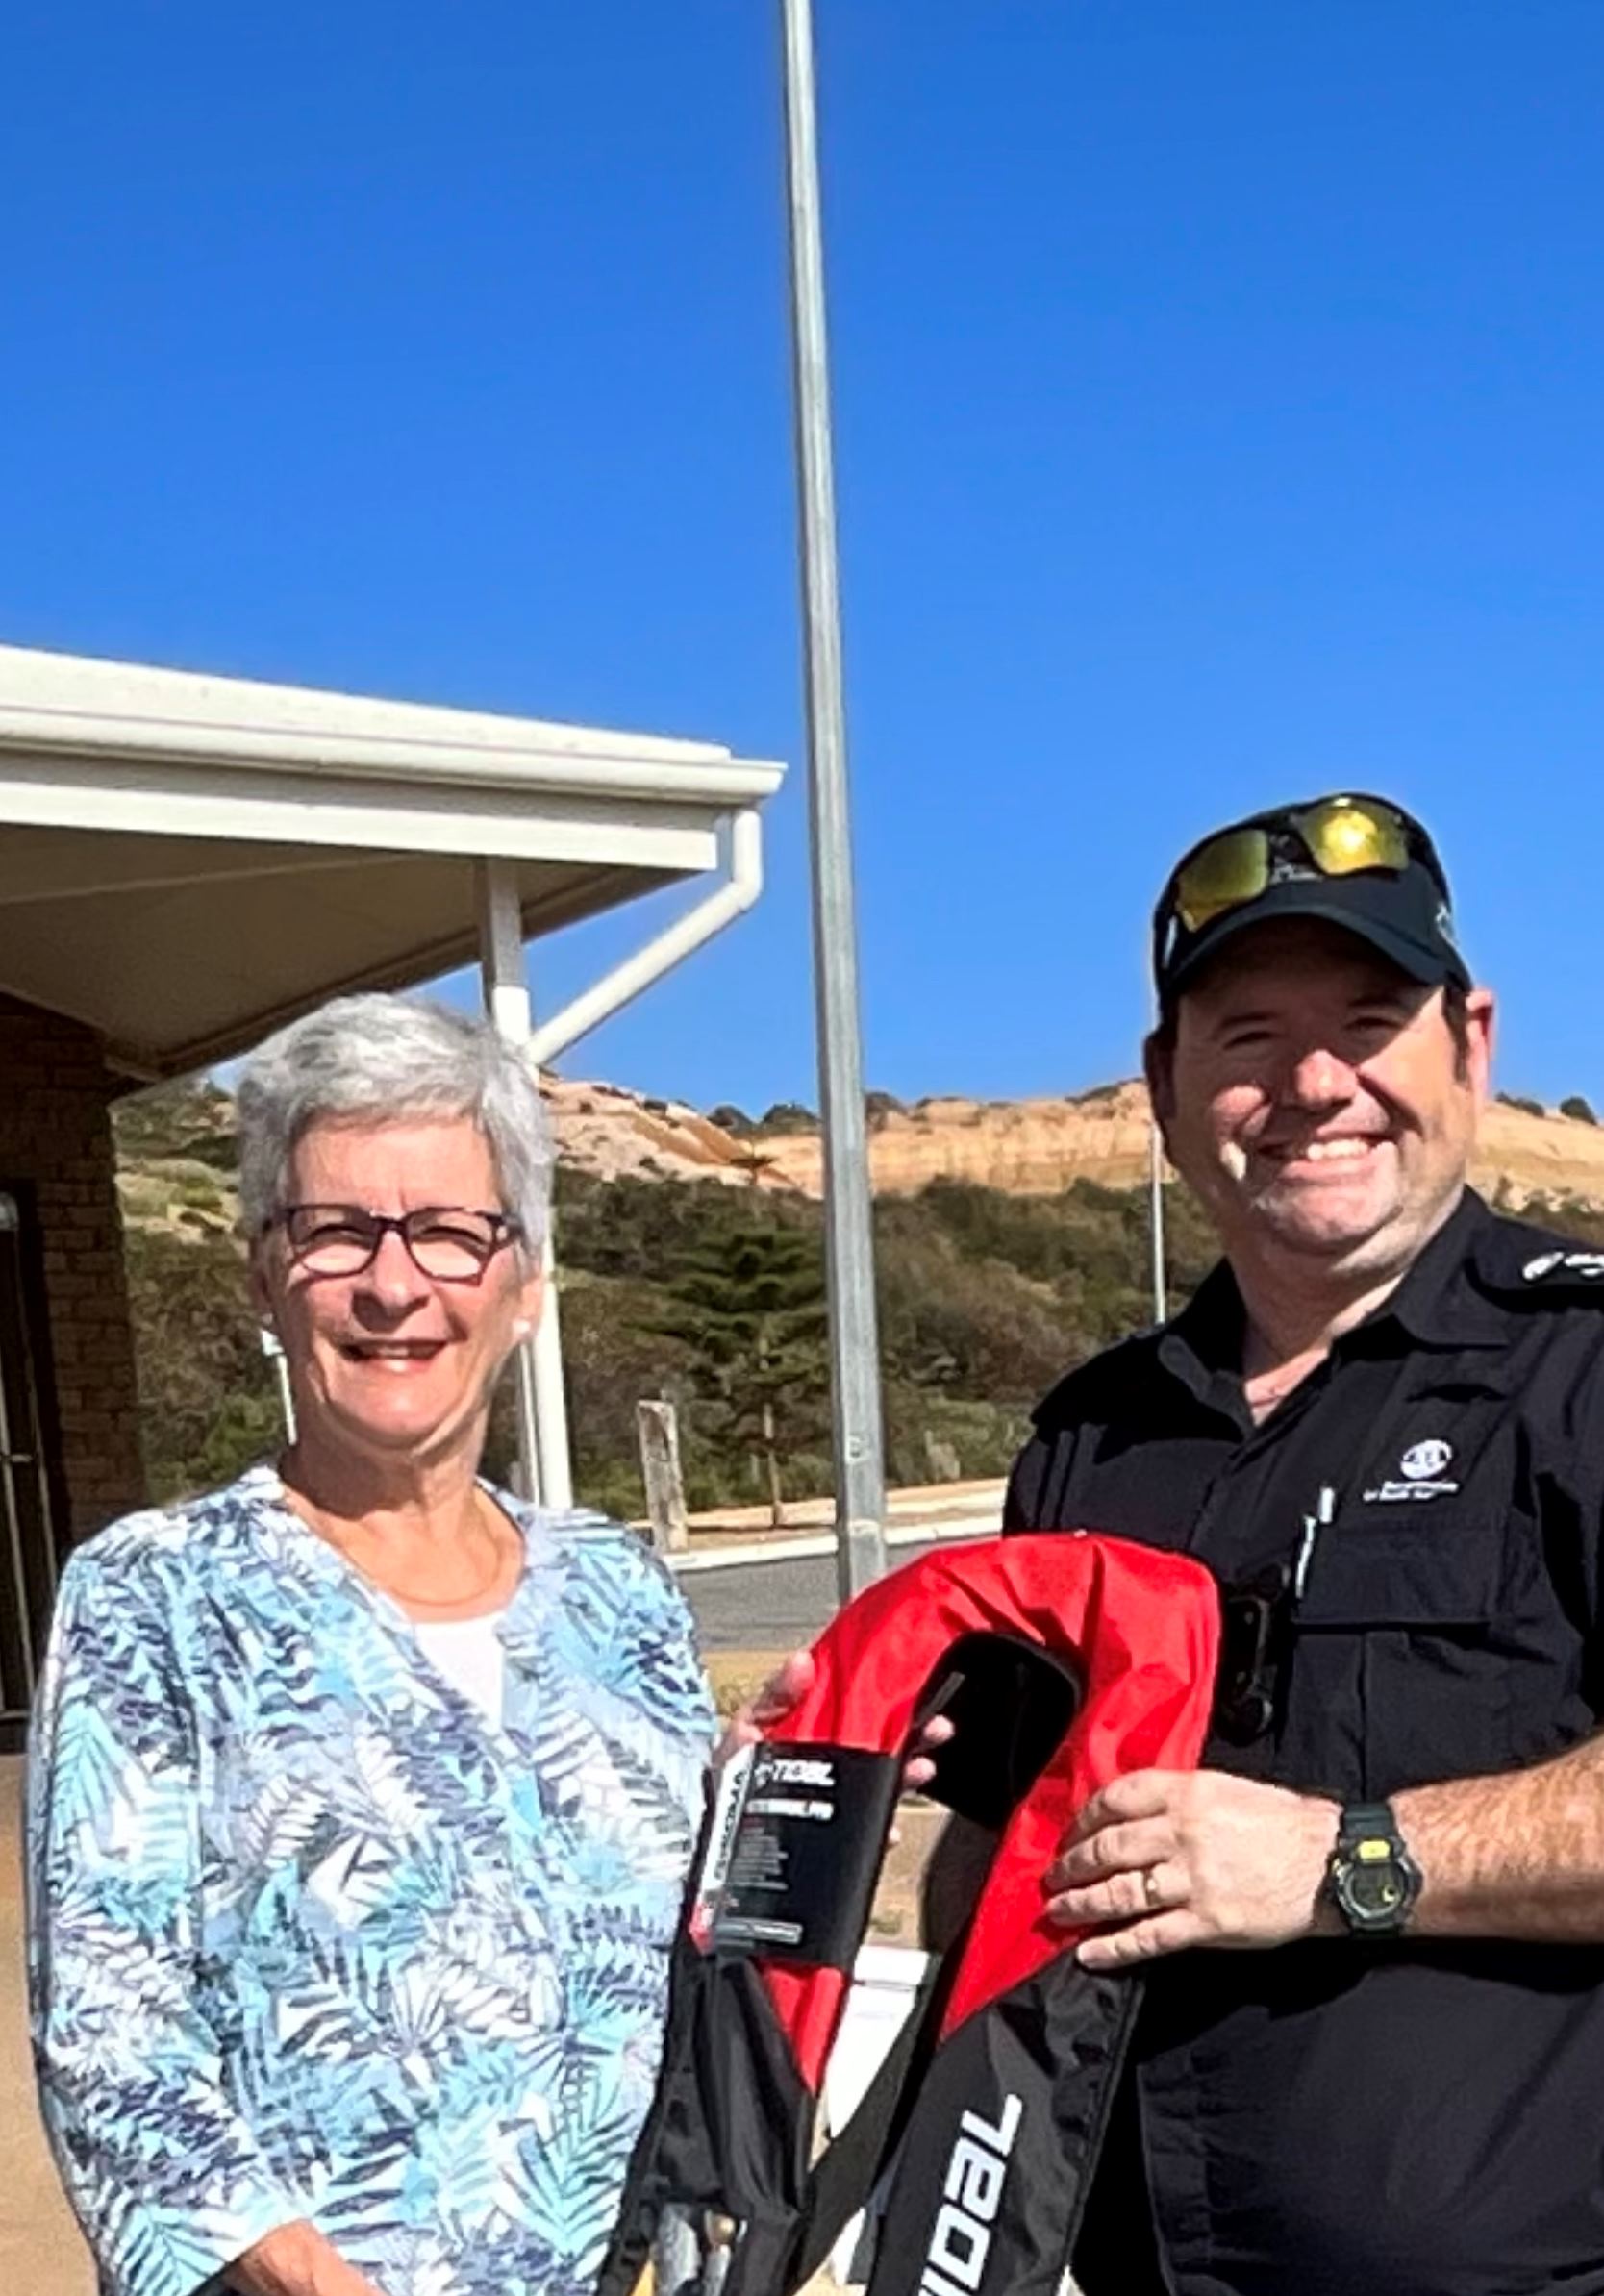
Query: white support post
{"x":274,"y":1352}
{"x":543,"y":1409}
{"x":551,"y":1402}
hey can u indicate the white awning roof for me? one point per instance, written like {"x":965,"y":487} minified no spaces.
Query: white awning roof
{"x":187,"y":860}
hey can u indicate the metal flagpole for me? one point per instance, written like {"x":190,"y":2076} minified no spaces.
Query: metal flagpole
{"x":849,"y":1245}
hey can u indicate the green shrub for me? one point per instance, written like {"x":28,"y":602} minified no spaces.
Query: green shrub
{"x":208,"y":1397}
{"x":787,"y":1115}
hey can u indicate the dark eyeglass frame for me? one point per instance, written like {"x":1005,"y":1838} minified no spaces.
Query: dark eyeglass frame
{"x":504,"y":1230}
{"x":1281,"y":826}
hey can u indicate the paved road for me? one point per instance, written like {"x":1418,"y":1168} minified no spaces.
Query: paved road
{"x":767,"y":1606}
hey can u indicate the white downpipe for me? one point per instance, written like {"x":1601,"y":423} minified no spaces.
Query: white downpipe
{"x":543,"y":1405}
{"x":743,"y":883}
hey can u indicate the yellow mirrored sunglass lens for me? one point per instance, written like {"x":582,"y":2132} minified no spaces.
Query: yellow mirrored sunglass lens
{"x":1342,"y":839}
{"x":1222,"y":875}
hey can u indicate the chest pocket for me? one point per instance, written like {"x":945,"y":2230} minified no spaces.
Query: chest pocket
{"x":1405,"y":1623}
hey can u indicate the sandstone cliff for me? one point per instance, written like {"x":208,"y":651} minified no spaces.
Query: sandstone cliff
{"x":1025,"y":1147}
{"x":608,"y":1130}
{"x":1039,"y":1147}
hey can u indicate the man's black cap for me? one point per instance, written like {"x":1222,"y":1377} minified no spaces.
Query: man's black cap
{"x":1404,"y":910}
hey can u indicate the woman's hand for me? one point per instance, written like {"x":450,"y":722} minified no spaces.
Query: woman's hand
{"x":295,"y":2259}
{"x":785,"y":1690}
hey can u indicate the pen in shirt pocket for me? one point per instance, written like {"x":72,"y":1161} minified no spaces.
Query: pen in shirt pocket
{"x":1325,"y":1508}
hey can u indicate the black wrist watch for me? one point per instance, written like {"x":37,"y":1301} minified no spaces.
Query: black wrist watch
{"x":1371,"y":1880}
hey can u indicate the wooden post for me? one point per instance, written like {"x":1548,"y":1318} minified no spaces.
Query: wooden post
{"x":658,"y":1427}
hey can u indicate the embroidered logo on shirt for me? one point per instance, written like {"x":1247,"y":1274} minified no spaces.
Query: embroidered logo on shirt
{"x":1589,"y":1265}
{"x":1419,"y":1475}
{"x":1427,"y":1459}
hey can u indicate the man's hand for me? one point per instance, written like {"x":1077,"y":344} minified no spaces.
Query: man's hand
{"x":782,"y":1690}
{"x":772,"y":1703}
{"x":1180,"y":1858}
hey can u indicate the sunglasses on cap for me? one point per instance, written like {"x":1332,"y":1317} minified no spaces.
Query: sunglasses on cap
{"x":1354,"y":860}
{"x":1337,"y":837}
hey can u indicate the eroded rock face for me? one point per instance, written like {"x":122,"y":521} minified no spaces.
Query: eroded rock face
{"x":1040,"y":1147}
{"x":1548,"y":1156}
{"x":613,"y":1133}
{"x":1025,"y":1147}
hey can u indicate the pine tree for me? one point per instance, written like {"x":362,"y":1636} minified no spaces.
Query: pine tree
{"x":749,"y":1305}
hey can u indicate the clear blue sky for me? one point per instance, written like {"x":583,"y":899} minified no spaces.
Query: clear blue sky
{"x":1220,"y":400}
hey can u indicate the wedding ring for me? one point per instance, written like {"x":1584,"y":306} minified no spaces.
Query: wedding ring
{"x":1150,"y":1890}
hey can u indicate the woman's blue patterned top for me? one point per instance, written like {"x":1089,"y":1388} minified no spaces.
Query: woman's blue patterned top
{"x":309,"y":1937}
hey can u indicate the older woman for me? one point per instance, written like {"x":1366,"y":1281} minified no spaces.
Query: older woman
{"x":362,"y":1794}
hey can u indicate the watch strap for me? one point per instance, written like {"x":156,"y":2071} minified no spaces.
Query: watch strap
{"x":1369,"y":1821}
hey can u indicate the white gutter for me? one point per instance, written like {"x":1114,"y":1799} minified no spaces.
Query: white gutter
{"x":743,"y":883}
{"x":35,"y":740}
{"x":58,"y":707}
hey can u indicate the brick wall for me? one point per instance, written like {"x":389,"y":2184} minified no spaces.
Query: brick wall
{"x":56,"y":1140}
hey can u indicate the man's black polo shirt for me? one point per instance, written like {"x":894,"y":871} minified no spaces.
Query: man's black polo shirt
{"x":1422,"y":2118}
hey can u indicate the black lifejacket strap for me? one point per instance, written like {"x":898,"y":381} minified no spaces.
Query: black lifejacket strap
{"x":851,"y":2166}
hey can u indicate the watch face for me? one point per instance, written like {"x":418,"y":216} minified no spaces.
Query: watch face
{"x":1374,"y":1893}
{"x":1373,"y":1878}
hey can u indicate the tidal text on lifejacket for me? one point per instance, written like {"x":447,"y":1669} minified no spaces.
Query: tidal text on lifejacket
{"x":973,"y":2184}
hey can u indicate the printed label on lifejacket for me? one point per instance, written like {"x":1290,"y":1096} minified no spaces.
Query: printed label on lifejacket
{"x":719,"y":1839}
{"x":805,"y":1854}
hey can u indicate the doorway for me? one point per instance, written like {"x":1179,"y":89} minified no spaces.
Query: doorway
{"x":29,"y":1553}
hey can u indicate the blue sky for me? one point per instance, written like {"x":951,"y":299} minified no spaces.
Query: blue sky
{"x":1220,"y":417}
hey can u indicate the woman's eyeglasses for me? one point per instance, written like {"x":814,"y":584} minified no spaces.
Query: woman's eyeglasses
{"x":446,"y":1242}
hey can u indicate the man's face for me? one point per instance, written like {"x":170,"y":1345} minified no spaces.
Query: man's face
{"x":1316,"y":1100}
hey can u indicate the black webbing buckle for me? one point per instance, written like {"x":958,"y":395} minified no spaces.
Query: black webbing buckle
{"x":1254,"y":1622}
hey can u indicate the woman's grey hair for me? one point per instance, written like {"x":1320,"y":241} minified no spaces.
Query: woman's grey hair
{"x":391,"y":1059}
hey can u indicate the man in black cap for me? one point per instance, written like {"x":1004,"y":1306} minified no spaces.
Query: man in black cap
{"x":1381,"y":1423}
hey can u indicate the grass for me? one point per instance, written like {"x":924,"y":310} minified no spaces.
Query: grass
{"x":738,"y":1675}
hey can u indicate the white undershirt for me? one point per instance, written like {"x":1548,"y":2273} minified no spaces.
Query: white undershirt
{"x":468,"y":1653}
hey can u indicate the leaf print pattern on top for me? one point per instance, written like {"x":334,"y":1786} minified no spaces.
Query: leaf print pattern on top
{"x":310,"y":1938}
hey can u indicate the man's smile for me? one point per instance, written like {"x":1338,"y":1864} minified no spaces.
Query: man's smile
{"x":1326,"y":1154}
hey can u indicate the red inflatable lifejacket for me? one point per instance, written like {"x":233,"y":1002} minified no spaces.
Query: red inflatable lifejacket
{"x":1065,"y":1660}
